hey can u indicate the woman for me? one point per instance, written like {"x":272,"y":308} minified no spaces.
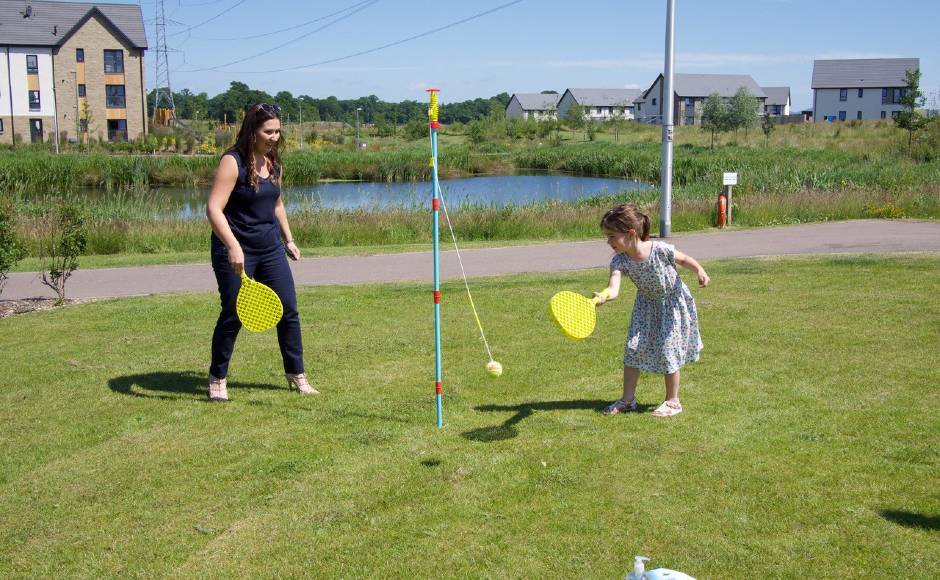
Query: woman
{"x":248,"y":219}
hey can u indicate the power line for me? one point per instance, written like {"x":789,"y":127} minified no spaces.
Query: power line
{"x":207,"y":21}
{"x":291,"y":41}
{"x":382,"y":47}
{"x":301,"y":25}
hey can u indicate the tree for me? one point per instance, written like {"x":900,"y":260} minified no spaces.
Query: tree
{"x":715,"y":116}
{"x":574,"y":116}
{"x":767,"y":126}
{"x":63,"y":236}
{"x":743,"y":110}
{"x":10,"y":249}
{"x":88,"y":118}
{"x":911,"y":99}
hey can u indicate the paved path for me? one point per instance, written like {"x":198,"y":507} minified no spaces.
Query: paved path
{"x":858,"y":236}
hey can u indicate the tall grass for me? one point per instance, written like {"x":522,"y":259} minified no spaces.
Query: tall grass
{"x":40,"y":172}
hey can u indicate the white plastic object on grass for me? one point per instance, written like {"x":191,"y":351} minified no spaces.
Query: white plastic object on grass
{"x":640,"y":573}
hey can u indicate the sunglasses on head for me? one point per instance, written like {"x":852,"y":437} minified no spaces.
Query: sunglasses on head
{"x":269,"y":109}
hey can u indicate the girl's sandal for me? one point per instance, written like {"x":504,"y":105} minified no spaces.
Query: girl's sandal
{"x":668,"y":409}
{"x":619,"y":406}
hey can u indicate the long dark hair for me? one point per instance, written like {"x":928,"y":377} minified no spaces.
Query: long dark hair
{"x":626,"y":217}
{"x":255,"y":116}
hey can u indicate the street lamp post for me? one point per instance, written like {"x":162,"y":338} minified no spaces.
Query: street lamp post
{"x":301,"y":112}
{"x":357,"y":125}
{"x":665,"y":201}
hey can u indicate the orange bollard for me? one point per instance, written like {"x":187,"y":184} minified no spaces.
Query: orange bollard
{"x":722,"y":210}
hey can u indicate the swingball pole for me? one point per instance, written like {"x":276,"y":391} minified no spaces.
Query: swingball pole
{"x":435,"y":205}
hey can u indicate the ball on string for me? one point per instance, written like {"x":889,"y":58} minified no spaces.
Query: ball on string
{"x":494,"y":368}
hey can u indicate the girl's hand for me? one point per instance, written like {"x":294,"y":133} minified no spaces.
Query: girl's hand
{"x":703,"y":278}
{"x":236,"y":259}
{"x":293,"y":252}
{"x":601,"y":297}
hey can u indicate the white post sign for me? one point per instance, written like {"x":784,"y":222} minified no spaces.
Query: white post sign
{"x":730,"y":179}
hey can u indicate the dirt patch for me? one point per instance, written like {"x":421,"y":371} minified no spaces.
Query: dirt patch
{"x":13,"y":307}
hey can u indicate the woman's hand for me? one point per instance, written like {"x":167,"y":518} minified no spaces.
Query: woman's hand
{"x":703,"y":278}
{"x":293,"y":252}
{"x":236,"y":259}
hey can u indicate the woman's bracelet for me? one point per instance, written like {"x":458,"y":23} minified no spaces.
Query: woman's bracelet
{"x":290,"y":241}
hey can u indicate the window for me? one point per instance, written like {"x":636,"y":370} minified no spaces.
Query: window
{"x":892,"y":96}
{"x":115,"y":96}
{"x":1,"y":126}
{"x":688,"y":101}
{"x":654,"y":102}
{"x":858,"y":115}
{"x":32,"y":64}
{"x":883,"y":114}
{"x":860,"y":92}
{"x":83,"y":125}
{"x":114,"y":61}
{"x":894,"y":114}
{"x":81,"y":90}
{"x":117,"y":130}
{"x":79,"y":55}
{"x":34,"y":102}
{"x":842,"y":115}
{"x":843,"y":94}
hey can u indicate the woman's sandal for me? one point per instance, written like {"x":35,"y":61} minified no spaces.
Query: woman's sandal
{"x":619,"y":406}
{"x":668,"y":409}
{"x":300,"y":383}
{"x":218,"y":390}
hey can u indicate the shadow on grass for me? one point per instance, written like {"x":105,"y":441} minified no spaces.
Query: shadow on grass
{"x":507,"y":430}
{"x":172,"y":385}
{"x":912,"y":520}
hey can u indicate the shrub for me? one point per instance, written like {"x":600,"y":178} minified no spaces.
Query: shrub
{"x":63,"y":237}
{"x":10,"y":249}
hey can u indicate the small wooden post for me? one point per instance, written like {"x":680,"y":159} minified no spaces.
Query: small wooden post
{"x":728,"y":180}
{"x":728,"y":194}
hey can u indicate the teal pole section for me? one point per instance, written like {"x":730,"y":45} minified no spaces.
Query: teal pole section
{"x":435,"y":205}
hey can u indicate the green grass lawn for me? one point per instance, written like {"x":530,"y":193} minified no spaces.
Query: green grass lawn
{"x":808,"y":445}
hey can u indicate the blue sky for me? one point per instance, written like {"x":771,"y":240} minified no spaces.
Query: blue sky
{"x":528,"y":46}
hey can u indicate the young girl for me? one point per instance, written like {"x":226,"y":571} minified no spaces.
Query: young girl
{"x":663,"y":333}
{"x":248,"y":219}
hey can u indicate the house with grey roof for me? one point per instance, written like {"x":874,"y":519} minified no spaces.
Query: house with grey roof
{"x":862,"y":88}
{"x":537,"y":106}
{"x":778,"y":101}
{"x":599,"y":104}
{"x":72,"y":67}
{"x":689,"y":94}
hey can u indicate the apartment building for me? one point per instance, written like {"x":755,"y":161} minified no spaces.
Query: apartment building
{"x":72,"y":67}
{"x":862,"y":89}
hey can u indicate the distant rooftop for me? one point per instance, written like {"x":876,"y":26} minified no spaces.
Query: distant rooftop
{"x":605,"y":97}
{"x":537,"y":101}
{"x":862,"y":72}
{"x":43,"y":23}
{"x":776,"y":95}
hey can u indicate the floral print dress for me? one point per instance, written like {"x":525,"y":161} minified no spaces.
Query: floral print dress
{"x":663,"y":334}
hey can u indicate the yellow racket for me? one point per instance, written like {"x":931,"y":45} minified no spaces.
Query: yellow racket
{"x":257,"y":305}
{"x":573,"y":313}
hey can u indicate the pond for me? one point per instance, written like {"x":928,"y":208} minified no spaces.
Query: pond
{"x":498,"y":191}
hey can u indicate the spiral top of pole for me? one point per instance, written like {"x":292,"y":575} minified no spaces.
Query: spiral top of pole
{"x":433,"y":108}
